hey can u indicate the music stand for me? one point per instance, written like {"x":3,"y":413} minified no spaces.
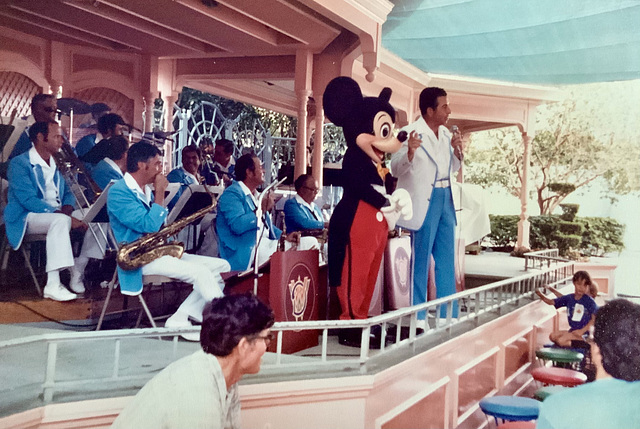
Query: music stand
{"x":193,"y":198}
{"x":97,"y":213}
{"x":170,"y":192}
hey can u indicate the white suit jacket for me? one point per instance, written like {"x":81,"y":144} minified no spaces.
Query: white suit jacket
{"x":418,"y":177}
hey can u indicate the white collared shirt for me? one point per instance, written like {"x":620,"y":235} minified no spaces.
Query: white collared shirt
{"x":311,"y":206}
{"x":441,"y":154}
{"x":145,"y":195}
{"x":195,"y":179}
{"x":113,"y":165}
{"x":50,"y":191}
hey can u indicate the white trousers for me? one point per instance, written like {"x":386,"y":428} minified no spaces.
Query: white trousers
{"x":94,"y":246}
{"x":57,"y":227}
{"x":202,"y":272}
{"x":268,"y":247}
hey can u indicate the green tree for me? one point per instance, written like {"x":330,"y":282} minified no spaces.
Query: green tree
{"x":566,"y":154}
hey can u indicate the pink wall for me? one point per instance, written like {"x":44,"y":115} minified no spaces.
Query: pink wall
{"x":435,"y":389}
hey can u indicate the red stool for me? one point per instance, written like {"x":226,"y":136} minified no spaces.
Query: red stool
{"x":558,"y":376}
{"x":517,"y":425}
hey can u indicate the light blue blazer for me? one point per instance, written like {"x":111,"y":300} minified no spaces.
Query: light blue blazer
{"x":103,"y":173}
{"x":237,"y":227}
{"x":299,"y":218}
{"x":130,"y":219}
{"x":178,"y":175}
{"x":26,"y":195}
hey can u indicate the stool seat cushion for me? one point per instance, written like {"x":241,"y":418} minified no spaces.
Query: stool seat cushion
{"x":559,"y":376}
{"x":513,"y":408}
{"x":559,"y":355}
{"x":546,"y":391}
{"x":517,"y":425}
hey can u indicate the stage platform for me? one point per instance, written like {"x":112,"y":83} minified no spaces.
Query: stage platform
{"x":19,"y":302}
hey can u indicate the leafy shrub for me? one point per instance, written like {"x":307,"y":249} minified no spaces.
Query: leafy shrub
{"x":569,"y":211}
{"x":590,"y":236}
{"x":504,"y":230}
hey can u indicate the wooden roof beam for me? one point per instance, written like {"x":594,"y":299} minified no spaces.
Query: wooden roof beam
{"x":238,"y":21}
{"x":63,"y":29}
{"x":103,"y":10}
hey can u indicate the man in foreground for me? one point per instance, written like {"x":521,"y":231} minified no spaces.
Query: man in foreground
{"x":200,"y":390}
{"x":612,"y":400}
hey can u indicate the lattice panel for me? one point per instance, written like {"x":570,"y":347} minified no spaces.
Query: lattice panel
{"x":16,"y":92}
{"x":119,"y":103}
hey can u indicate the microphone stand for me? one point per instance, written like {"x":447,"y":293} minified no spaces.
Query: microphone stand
{"x":260,"y":232}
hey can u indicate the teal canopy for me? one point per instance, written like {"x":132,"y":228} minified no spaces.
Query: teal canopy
{"x":526,"y":41}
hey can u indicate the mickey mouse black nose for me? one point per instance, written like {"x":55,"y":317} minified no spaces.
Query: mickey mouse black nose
{"x":402,"y":136}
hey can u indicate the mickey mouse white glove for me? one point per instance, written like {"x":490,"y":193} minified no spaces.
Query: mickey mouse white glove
{"x":399,"y":205}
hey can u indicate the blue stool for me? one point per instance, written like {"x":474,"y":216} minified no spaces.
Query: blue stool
{"x":511,"y":408}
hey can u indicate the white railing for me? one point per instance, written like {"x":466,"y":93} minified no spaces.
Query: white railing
{"x":495,"y":298}
{"x":541,"y":258}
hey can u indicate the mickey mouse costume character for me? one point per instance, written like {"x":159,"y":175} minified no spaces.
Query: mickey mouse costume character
{"x":360,"y":222}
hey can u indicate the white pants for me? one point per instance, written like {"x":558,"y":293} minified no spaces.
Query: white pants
{"x":94,"y":246}
{"x":202,"y":272}
{"x":57,"y":227}
{"x":268,"y":247}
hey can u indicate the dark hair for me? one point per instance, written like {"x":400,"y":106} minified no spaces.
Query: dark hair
{"x":39,"y":99}
{"x":191,"y":148}
{"x":582,"y":275}
{"x":617,"y":334}
{"x":301,"y":180}
{"x":206,"y":141}
{"x":41,"y":127}
{"x":140,"y":152}
{"x":228,"y":319}
{"x":429,"y":98}
{"x":244,"y":163}
{"x":108,"y":122}
{"x":227,"y":145}
{"x":118,"y":146}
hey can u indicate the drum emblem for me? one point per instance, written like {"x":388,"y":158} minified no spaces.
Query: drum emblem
{"x":298,"y":292}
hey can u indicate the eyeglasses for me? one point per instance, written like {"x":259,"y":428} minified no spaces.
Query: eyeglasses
{"x":311,"y":189}
{"x":267,"y":338}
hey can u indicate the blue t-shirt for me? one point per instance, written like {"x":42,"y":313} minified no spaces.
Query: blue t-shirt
{"x":578,"y":312}
{"x":606,"y":403}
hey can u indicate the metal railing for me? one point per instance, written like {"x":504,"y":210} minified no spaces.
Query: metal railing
{"x":541,"y":258}
{"x":496,"y":298}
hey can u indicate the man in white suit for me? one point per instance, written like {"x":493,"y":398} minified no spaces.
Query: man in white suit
{"x":424,"y":167}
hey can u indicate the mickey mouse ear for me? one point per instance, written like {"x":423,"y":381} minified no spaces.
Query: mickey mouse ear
{"x":385,"y":95}
{"x":340,"y":99}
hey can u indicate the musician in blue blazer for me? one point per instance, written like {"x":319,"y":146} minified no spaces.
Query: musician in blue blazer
{"x":300,"y":212}
{"x":134,"y":211}
{"x":188,"y":174}
{"x":114,"y":164}
{"x":40,"y":202}
{"x":237,"y":223}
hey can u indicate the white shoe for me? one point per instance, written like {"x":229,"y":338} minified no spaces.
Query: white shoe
{"x":57,"y":292}
{"x":174,"y":322}
{"x":76,"y":283}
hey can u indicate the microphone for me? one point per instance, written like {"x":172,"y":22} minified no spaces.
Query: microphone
{"x":457,"y":150}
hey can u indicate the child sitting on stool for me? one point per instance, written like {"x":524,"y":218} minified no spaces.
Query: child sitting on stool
{"x":581,"y":310}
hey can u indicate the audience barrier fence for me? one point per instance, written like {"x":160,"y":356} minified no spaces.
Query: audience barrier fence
{"x":497,"y":298}
{"x":542,"y":258}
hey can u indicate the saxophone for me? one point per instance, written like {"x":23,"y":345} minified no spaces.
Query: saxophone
{"x":152,"y":246}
